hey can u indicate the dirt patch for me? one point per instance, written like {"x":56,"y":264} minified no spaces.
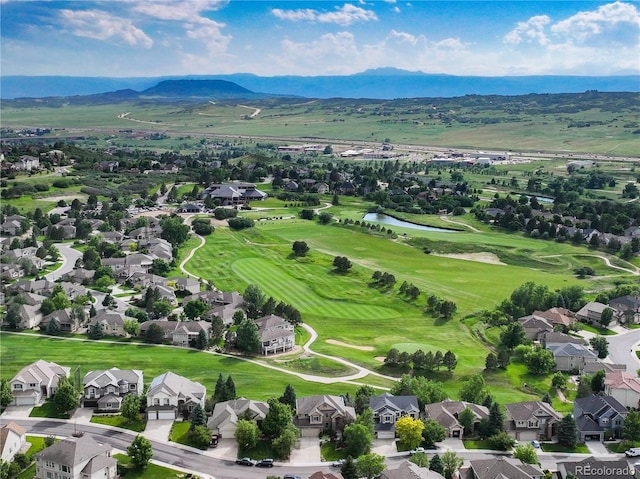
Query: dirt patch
{"x":71,"y":196}
{"x":380,"y":358}
{"x":490,"y":258}
{"x":353,"y":346}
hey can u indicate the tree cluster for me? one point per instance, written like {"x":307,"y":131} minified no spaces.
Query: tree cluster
{"x":420,"y":360}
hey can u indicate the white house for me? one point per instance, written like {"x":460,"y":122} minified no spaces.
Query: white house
{"x":36,"y":382}
{"x":12,"y":439}
{"x":624,"y":387}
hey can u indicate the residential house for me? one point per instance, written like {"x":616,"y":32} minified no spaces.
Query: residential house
{"x":30,"y":316}
{"x":76,"y":458}
{"x":572,"y":357}
{"x":628,"y":308}
{"x":13,"y":438}
{"x":105,"y":389}
{"x":324,"y":475}
{"x":65,"y":318}
{"x":501,"y":468}
{"x":38,"y":286}
{"x":36,"y":382}
{"x":112,"y":322}
{"x":188,"y":285}
{"x":170,"y":395}
{"x":27,"y":163}
{"x":225,"y":416}
{"x":217,"y":298}
{"x":447,"y":414}
{"x":598,"y":415}
{"x":596,"y":468}
{"x":554,"y":339}
{"x":180,"y":333}
{"x":532,"y":420}
{"x":535,"y":326}
{"x":11,"y":272}
{"x":592,"y":368}
{"x":558,"y":317}
{"x":592,"y":312}
{"x":291,"y":187}
{"x":409,"y":470}
{"x":623,"y":387}
{"x":276,"y":334}
{"x":165,"y":293}
{"x":315,"y":414}
{"x":320,"y":188}
{"x":133,"y":263}
{"x":387,"y":409}
{"x":224,"y":312}
{"x":146,"y":280}
{"x":159,"y":248}
{"x":11,"y":227}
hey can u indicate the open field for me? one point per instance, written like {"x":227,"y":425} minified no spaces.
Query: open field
{"x":251,"y":380}
{"x":587,"y":126}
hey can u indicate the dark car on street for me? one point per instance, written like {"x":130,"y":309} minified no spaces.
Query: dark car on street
{"x":264,"y":463}
{"x":245,"y":461}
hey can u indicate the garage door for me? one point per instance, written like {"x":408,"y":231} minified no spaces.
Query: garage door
{"x":527,"y":436}
{"x":24,"y":401}
{"x":157,"y":415}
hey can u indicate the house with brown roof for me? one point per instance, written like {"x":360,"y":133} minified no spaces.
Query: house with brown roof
{"x":76,"y":458}
{"x":36,"y":382}
{"x":13,"y":438}
{"x":532,"y":420}
{"x":315,"y":414}
{"x":409,"y":470}
{"x":624,"y":387}
{"x":447,"y":413}
{"x":500,"y":468}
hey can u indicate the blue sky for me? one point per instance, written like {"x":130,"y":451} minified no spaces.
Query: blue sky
{"x":129,"y":38}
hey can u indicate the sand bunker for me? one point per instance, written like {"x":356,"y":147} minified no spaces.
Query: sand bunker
{"x":490,"y":258}
{"x":353,"y":346}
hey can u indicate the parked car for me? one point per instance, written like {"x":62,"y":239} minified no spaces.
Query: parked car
{"x":245,"y":461}
{"x":291,"y":476}
{"x":417,"y":450}
{"x":264,"y":463}
{"x":633,"y":452}
{"x":338,"y":463}
{"x":535,"y":444}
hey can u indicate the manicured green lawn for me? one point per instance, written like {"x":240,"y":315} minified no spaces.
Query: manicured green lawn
{"x":329,"y":453}
{"x":252,"y":381}
{"x":37,"y":445}
{"x":120,"y":421}
{"x":316,"y":365}
{"x":555,"y":447}
{"x":48,"y":409}
{"x":152,"y":471}
{"x":180,"y":433}
{"x":595,"y":330}
{"x":620,"y":447}
{"x":262,"y":450}
{"x":476,"y":444}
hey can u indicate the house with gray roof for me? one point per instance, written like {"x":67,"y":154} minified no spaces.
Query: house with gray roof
{"x":628,"y":308}
{"x":170,"y":395}
{"x":112,"y":322}
{"x":387,"y":409}
{"x":76,"y":458}
{"x":598,"y":415}
{"x":315,"y":414}
{"x":572,"y":357}
{"x":446,"y":413}
{"x":276,"y":334}
{"x":65,"y":319}
{"x":531,"y":420}
{"x":180,"y":333}
{"x":231,"y":194}
{"x":225,"y":416}
{"x":189,"y":285}
{"x":554,"y":339}
{"x":596,"y":468}
{"x":501,"y":468}
{"x":535,"y":326}
{"x":105,"y":389}
{"x":592,"y":312}
{"x":36,"y":382}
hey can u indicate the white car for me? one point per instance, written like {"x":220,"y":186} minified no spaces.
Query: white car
{"x":633,"y":452}
{"x":416,"y":450}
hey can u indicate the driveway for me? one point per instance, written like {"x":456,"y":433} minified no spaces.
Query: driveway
{"x":158,"y":429}
{"x":597,"y":449}
{"x":308,"y":451}
{"x":17,"y":412}
{"x":82,"y":415}
{"x":451,"y":444}
{"x":384,"y":447}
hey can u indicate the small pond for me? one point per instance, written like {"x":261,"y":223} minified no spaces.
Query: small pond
{"x":391,"y":221}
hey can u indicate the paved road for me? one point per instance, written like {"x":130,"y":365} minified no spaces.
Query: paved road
{"x":203,"y":463}
{"x":622,"y":349}
{"x":69,"y":257}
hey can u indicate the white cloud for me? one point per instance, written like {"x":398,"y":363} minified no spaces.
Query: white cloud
{"x":396,"y":9}
{"x":101,"y":25}
{"x":190,"y":11}
{"x":343,"y":16}
{"x":589,"y":23}
{"x":450,"y":43}
{"x":530,"y":31}
{"x":403,"y":37}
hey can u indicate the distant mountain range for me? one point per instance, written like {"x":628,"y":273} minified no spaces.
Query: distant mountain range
{"x":383,"y":83}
